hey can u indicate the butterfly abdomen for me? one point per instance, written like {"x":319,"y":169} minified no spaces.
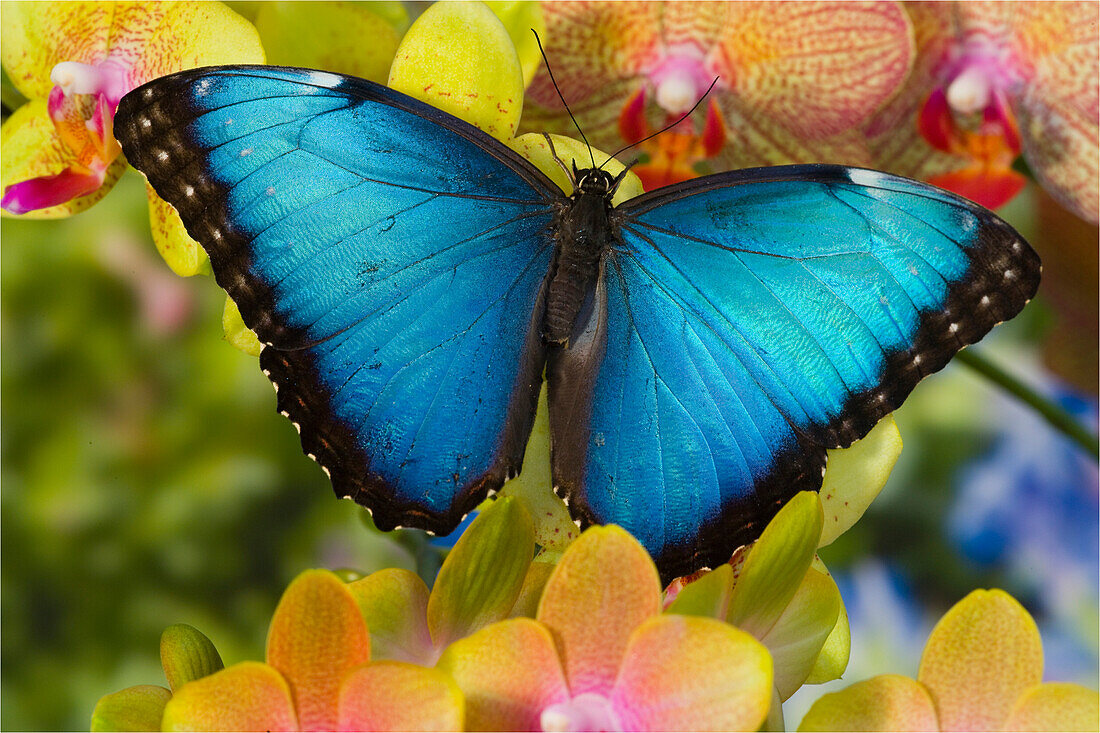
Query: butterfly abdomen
{"x":583,"y":233}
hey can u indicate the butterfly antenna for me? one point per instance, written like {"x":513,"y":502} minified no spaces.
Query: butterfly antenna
{"x":666,"y":128}
{"x":562,"y":98}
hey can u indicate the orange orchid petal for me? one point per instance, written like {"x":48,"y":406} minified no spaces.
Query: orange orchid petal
{"x":395,"y":696}
{"x":316,"y":635}
{"x":990,"y":187}
{"x":246,"y":696}
{"x":509,"y":672}
{"x":1056,"y":706}
{"x":603,"y":588}
{"x":814,"y":69}
{"x":886,"y":702}
{"x":693,"y":673}
{"x":980,"y":657}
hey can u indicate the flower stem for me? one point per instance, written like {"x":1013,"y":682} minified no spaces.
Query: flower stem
{"x":1053,"y":413}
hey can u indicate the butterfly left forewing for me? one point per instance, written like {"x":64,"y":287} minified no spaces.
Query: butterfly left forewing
{"x":390,"y":257}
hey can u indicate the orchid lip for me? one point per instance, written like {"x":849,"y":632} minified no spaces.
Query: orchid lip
{"x":588,"y":711}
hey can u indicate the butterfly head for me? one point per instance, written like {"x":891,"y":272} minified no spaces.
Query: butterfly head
{"x":595,"y":181}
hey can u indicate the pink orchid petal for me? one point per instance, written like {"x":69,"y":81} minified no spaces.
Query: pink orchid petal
{"x":604,"y":587}
{"x":395,"y":696}
{"x":49,"y":191}
{"x":246,"y":696}
{"x":814,"y":69}
{"x":509,"y":672}
{"x":316,"y":635}
{"x":691,"y":673}
{"x":979,"y":659}
{"x":886,"y":702}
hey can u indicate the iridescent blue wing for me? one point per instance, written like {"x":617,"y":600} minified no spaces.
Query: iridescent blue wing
{"x":749,"y":321}
{"x":390,"y":257}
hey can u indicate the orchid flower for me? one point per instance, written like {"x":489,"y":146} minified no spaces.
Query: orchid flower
{"x":993,"y":81}
{"x":794,"y":80}
{"x":982,"y":670}
{"x":601,"y":656}
{"x":74,"y":62}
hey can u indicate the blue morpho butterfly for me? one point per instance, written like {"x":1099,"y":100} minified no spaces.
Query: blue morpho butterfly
{"x":411,"y":278}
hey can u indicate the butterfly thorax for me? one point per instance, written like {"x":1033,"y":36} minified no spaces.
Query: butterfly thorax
{"x":583,"y":233}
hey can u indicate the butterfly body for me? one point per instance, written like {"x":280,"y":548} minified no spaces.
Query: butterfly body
{"x":413,"y":279}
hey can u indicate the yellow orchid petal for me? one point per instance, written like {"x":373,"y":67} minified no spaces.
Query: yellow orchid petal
{"x":886,"y":702}
{"x":246,"y":696}
{"x":833,"y":659}
{"x":32,"y":149}
{"x":692,"y":673}
{"x":980,"y":657}
{"x":520,"y":17}
{"x":1056,"y":706}
{"x":527,"y":604}
{"x":317,"y":634}
{"x":602,"y":589}
{"x":329,"y":36}
{"x":854,"y":476}
{"x":396,"y":696}
{"x":509,"y":672}
{"x":184,"y":255}
{"x":236,"y":333}
{"x":554,"y":528}
{"x":798,"y":636}
{"x":394,"y":603}
{"x":458,"y":57}
{"x":135,"y":708}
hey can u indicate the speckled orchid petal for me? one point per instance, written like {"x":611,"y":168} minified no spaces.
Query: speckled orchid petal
{"x":330,"y":36}
{"x":394,"y":696}
{"x":813,"y":69}
{"x":886,"y":702}
{"x":480,"y":81}
{"x":604,"y":587}
{"x":1056,"y":706}
{"x":1058,"y":107}
{"x":596,"y":50}
{"x":181,"y":253}
{"x":509,"y":673}
{"x":854,"y":476}
{"x":691,"y":673}
{"x":483,"y":574}
{"x":35,"y":37}
{"x":246,"y":696}
{"x":187,"y":654}
{"x":32,"y":154}
{"x":236,"y":333}
{"x":554,"y":527}
{"x":776,"y":565}
{"x":394,"y":603}
{"x":135,"y":708}
{"x":980,"y":657}
{"x":316,"y":635}
{"x":796,"y":639}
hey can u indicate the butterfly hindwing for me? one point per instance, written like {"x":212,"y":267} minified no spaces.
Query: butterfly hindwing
{"x":750,"y":320}
{"x":390,"y":258}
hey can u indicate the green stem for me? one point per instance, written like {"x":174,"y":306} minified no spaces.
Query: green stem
{"x":10,"y":97}
{"x":1053,"y":414}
